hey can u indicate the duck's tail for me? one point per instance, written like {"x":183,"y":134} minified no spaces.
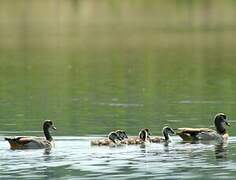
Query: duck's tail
{"x":14,"y":142}
{"x":7,"y":139}
{"x":12,"y":139}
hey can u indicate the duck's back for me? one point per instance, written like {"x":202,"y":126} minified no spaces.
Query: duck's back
{"x":28,"y":143}
{"x":191,"y":134}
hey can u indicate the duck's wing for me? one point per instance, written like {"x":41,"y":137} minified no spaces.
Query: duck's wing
{"x":191,"y":134}
{"x":25,"y":142}
{"x":206,"y":136}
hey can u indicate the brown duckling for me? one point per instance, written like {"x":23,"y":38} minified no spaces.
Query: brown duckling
{"x":122,"y":134}
{"x":166,"y":131}
{"x":113,"y":139}
{"x":142,"y":137}
{"x":25,"y":142}
{"x":206,"y":134}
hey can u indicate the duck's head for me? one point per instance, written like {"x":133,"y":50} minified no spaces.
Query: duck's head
{"x":220,"y":121}
{"x":167,"y":131}
{"x":113,"y":136}
{"x":122,"y":134}
{"x":48,"y":124}
{"x":144,"y":134}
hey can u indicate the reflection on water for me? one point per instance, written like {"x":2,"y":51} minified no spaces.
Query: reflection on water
{"x":221,"y":150}
{"x":73,"y":157}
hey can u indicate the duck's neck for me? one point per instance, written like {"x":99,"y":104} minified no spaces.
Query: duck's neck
{"x":47,"y":133}
{"x":220,"y":128}
{"x":143,"y":135}
{"x":166,"y":135}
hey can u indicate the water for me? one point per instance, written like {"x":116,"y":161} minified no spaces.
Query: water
{"x":74,"y":158}
{"x":93,"y":67}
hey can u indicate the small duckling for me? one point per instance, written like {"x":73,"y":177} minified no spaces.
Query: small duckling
{"x":122,"y":134}
{"x":142,"y":137}
{"x":166,"y":131}
{"x":113,"y":139}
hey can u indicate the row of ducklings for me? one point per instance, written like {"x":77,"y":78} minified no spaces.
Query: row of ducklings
{"x":119,"y":137}
{"x":187,"y":134}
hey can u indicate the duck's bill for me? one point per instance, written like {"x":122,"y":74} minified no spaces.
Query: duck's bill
{"x":227,"y":123}
{"x":54,"y":128}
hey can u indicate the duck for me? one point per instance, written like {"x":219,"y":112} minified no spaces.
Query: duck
{"x":206,"y":134}
{"x":26,"y":142}
{"x":143,"y":136}
{"x":166,"y":131}
{"x":122,"y":134}
{"x":112,"y":139}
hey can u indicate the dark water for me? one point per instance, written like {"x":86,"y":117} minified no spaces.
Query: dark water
{"x":95,"y":66}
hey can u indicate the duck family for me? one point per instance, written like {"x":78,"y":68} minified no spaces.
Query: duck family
{"x":120,"y":137}
{"x":191,"y":134}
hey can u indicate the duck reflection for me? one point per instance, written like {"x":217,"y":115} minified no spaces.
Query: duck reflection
{"x":47,"y":151}
{"x":221,"y":150}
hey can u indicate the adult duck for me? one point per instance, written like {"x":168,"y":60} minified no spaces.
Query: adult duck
{"x":25,"y":142}
{"x":167,"y":132}
{"x":206,"y":134}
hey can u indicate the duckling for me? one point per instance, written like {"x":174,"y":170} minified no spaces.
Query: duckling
{"x":25,"y":142}
{"x":122,"y":134}
{"x":143,"y":137}
{"x":113,"y":139}
{"x":206,"y":134}
{"x":166,"y":131}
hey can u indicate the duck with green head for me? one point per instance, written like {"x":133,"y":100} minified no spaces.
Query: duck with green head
{"x":206,"y":134}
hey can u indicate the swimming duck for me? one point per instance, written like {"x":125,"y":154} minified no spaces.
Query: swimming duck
{"x":113,"y":139}
{"x":25,"y":142}
{"x":206,"y":134}
{"x":166,"y":131}
{"x":122,"y":134}
{"x":143,"y":136}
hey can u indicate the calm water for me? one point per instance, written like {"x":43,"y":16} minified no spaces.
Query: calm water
{"x":95,"y":66}
{"x":74,"y":158}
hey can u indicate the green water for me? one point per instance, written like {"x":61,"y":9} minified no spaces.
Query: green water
{"x":94,"y":66}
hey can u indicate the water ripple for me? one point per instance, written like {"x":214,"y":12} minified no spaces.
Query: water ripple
{"x":73,"y":157}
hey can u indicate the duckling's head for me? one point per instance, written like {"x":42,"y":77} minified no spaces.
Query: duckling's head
{"x":113,"y":136}
{"x":48,"y":124}
{"x":167,"y":131}
{"x":144,"y":134}
{"x":220,"y":121}
{"x":122,"y":134}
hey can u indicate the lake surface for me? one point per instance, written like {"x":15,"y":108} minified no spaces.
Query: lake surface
{"x":74,"y":158}
{"x":96,"y":66}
